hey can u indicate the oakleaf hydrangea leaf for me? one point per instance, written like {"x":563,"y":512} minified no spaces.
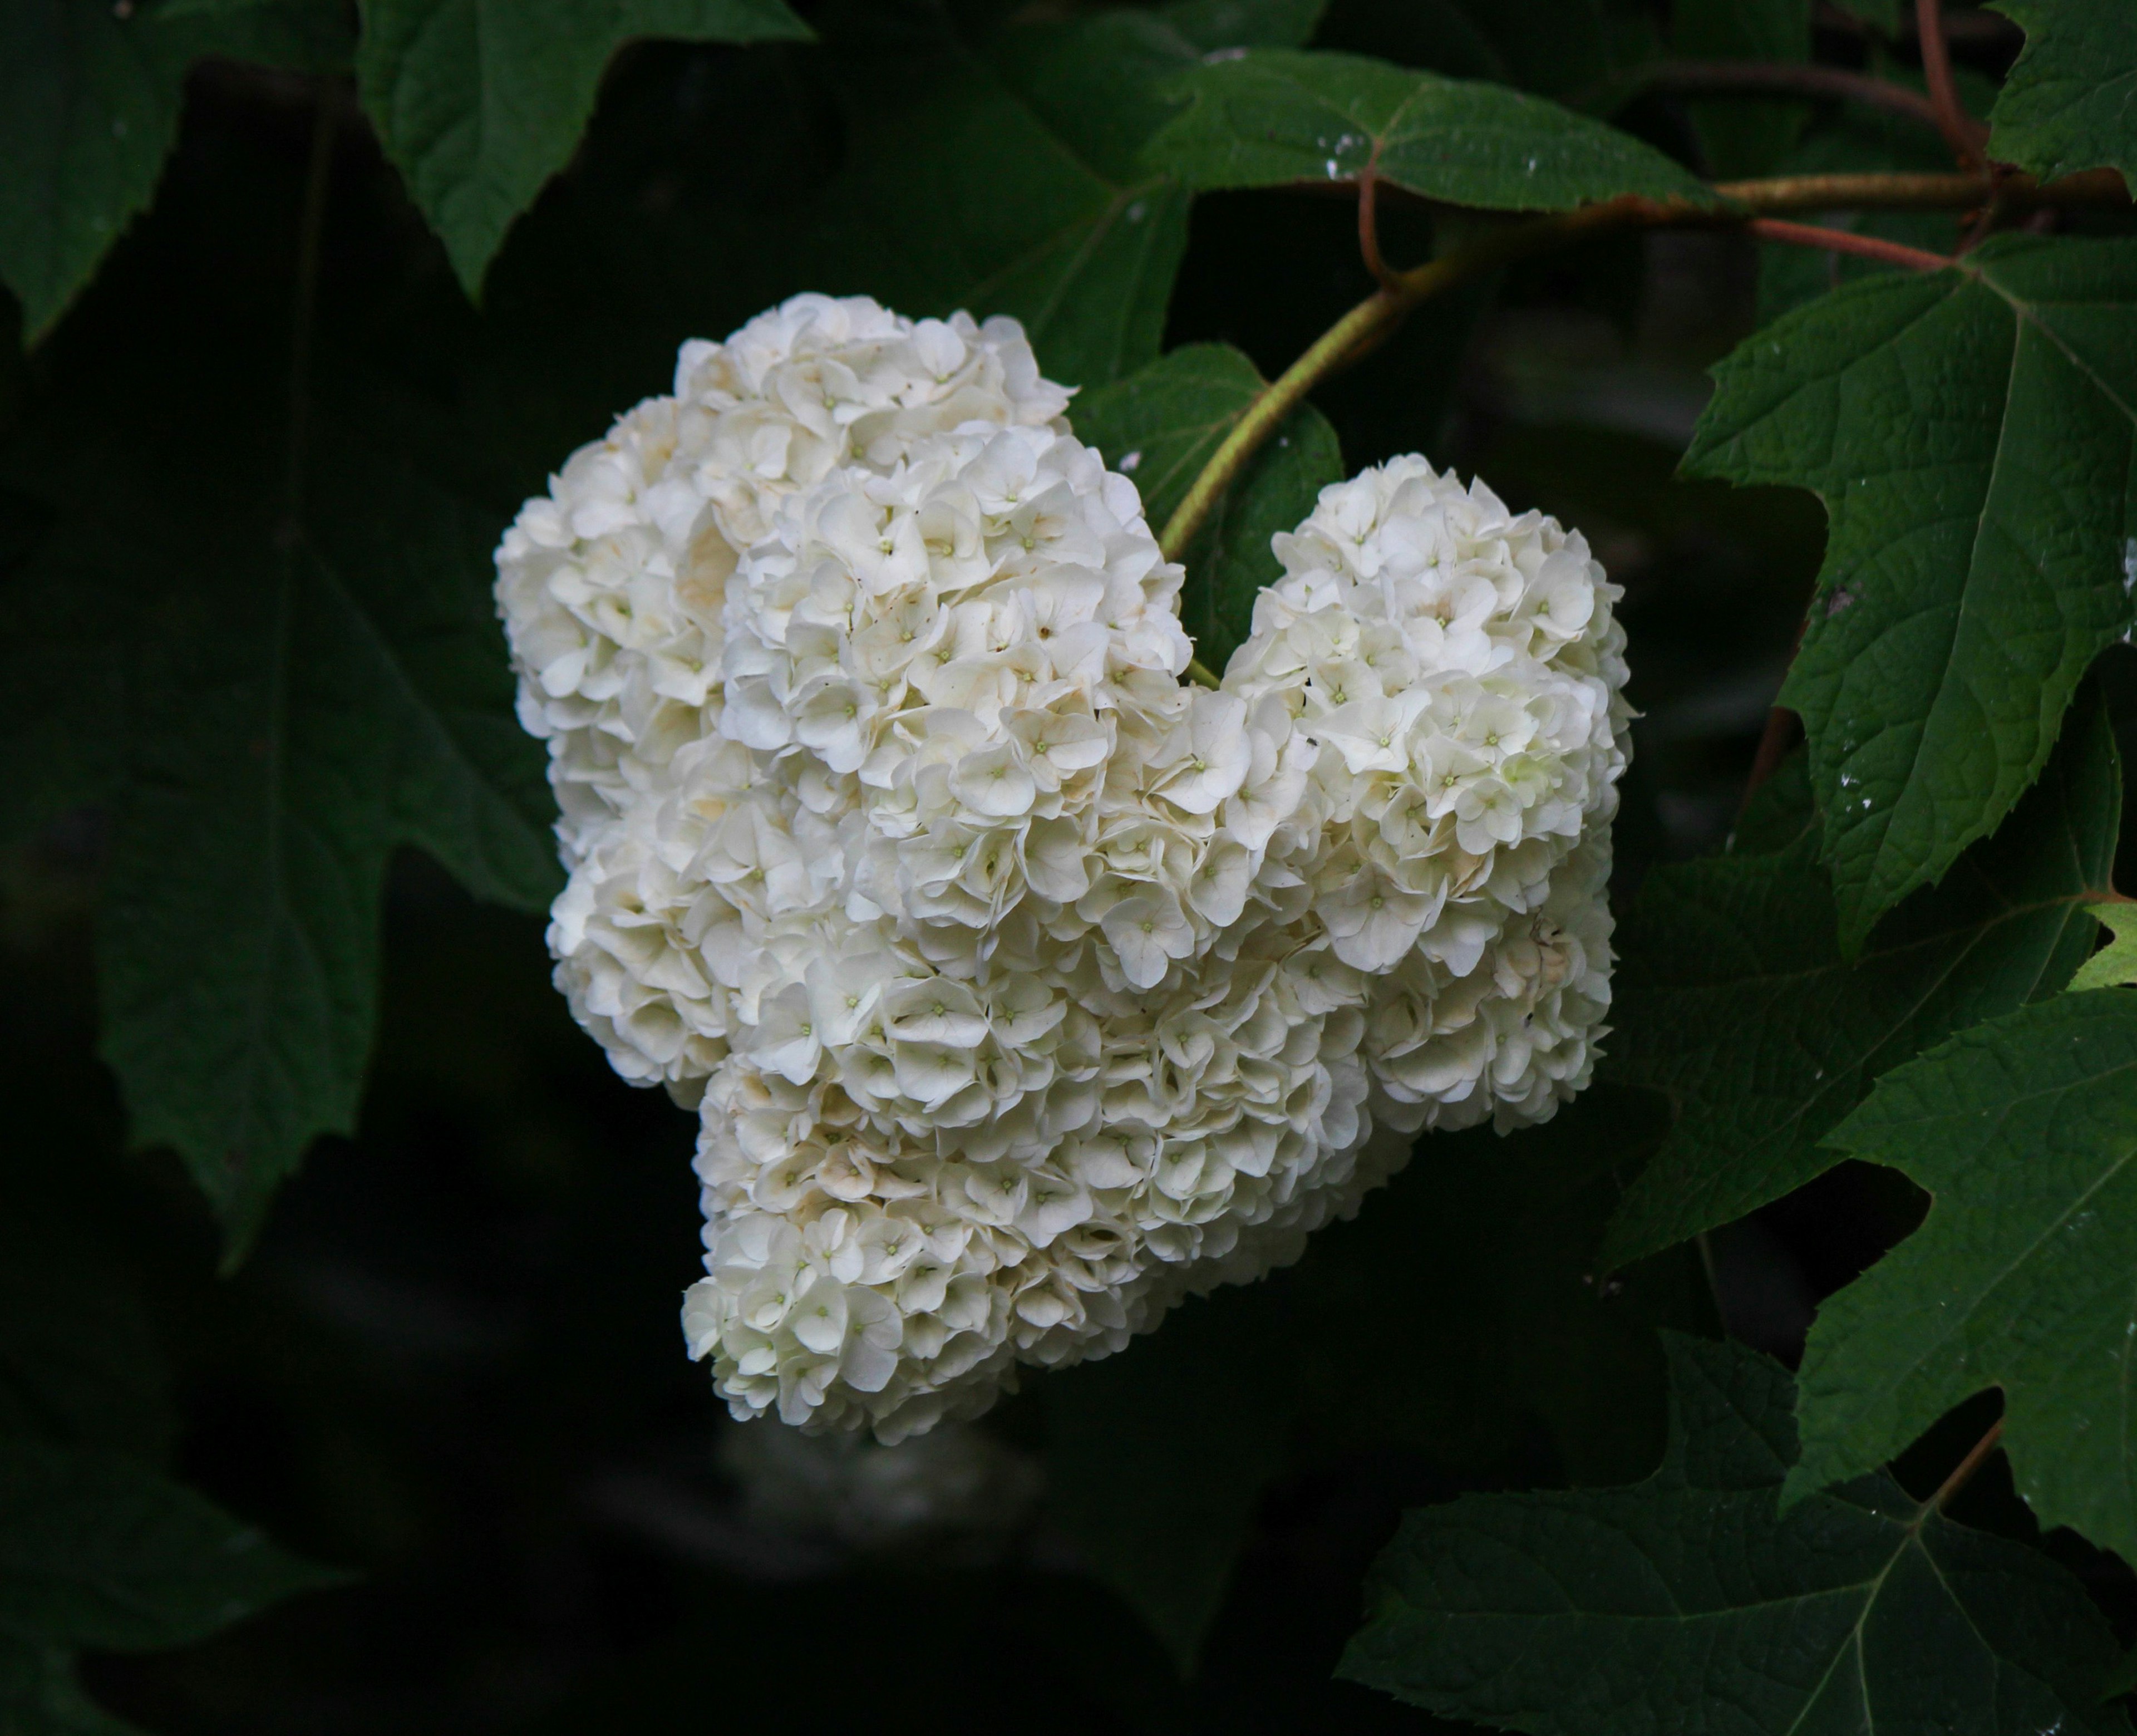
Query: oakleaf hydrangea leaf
{"x":1274,"y":115}
{"x":1591,"y":1612}
{"x":2024,"y":1131}
{"x":1735,"y":999}
{"x":1160,"y":425}
{"x":88,"y":106}
{"x":2114,"y":963}
{"x":98,"y":1550}
{"x":479,"y":102}
{"x":2070,"y":103}
{"x":1973,"y":433}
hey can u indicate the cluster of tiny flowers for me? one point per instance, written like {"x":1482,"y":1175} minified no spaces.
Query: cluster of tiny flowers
{"x":1458,"y":668}
{"x":1023,"y":990}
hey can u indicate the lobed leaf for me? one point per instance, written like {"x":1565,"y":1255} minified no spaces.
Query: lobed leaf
{"x":1735,"y":997}
{"x":1161,"y":424}
{"x":479,"y":102}
{"x":1651,"y":1607}
{"x":1973,"y":433}
{"x":1271,"y":116}
{"x":2069,"y":102}
{"x":2023,"y":1275}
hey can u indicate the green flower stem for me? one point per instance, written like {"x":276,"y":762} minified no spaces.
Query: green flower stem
{"x":1372,"y":319}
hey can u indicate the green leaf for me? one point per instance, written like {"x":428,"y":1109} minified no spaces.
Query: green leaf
{"x":478,"y":102}
{"x":1156,"y":1458}
{"x":1689,"y":1603}
{"x":1161,"y":426}
{"x":1972,"y":434}
{"x":1735,"y":999}
{"x":89,"y":107}
{"x":39,"y":1695}
{"x":2070,"y":103}
{"x":2024,"y":1130}
{"x":1743,"y":137}
{"x":2115,"y":964}
{"x":1272,"y":116}
{"x":303,"y":694}
{"x":98,"y":1550}
{"x":1005,"y":175}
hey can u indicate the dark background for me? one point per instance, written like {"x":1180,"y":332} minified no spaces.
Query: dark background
{"x":453,"y":1364}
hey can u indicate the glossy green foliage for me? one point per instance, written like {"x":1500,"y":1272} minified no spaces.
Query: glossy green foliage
{"x":2070,"y":101}
{"x":89,"y":105}
{"x":1161,"y":426}
{"x":1735,"y":999}
{"x":479,"y":102}
{"x":1263,"y":119}
{"x":2024,"y":1131}
{"x":1972,"y":435}
{"x":1656,"y":1606}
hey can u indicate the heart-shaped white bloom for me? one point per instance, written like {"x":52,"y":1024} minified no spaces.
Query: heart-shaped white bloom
{"x":1024,"y":990}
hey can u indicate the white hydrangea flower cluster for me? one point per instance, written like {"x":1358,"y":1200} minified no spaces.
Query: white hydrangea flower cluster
{"x":1460,"y":672}
{"x":1023,"y":990}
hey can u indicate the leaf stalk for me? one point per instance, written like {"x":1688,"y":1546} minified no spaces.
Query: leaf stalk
{"x":1845,"y":240}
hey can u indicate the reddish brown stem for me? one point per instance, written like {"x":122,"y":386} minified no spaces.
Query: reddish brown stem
{"x":1368,"y":223}
{"x":1962,"y":1473}
{"x":1845,"y":240}
{"x":1964,"y":135}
